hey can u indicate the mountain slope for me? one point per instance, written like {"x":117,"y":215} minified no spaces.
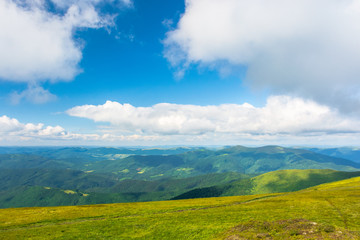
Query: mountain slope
{"x":55,"y":178}
{"x":43,"y":187}
{"x":37,"y":196}
{"x":272,"y":182}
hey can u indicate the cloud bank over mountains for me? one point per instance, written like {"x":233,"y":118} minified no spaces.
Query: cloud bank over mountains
{"x":283,"y":120}
{"x":307,"y":48}
{"x":281,"y":117}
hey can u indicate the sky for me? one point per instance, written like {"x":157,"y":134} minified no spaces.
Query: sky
{"x":193,"y":72}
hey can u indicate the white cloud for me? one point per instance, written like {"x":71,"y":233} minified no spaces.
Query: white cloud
{"x":304,"y":47}
{"x":283,"y":120}
{"x":13,"y":132}
{"x":10,"y":127}
{"x":38,"y":44}
{"x":282,"y":115}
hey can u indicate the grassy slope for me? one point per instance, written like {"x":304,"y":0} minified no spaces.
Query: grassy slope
{"x":272,"y":182}
{"x":330,"y":210}
{"x":293,"y":180}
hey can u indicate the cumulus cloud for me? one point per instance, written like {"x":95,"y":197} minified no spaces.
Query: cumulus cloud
{"x":37,"y":44}
{"x":283,"y":120}
{"x":14,"y":132}
{"x":11,"y":127}
{"x":304,"y":47}
{"x":282,"y":115}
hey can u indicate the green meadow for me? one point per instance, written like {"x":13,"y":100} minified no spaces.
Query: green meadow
{"x":327,"y":211}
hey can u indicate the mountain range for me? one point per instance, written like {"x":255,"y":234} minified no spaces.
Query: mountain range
{"x":75,"y":176}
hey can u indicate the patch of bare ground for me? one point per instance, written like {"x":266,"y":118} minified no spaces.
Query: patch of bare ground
{"x":288,"y":229}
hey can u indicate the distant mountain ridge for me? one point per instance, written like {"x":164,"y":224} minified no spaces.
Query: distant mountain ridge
{"x":233,"y":159}
{"x":350,"y":153}
{"x":190,"y":163}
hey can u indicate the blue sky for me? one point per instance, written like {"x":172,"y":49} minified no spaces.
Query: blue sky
{"x":195,"y":73}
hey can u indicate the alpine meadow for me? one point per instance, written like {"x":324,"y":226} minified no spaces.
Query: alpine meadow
{"x":182,"y":119}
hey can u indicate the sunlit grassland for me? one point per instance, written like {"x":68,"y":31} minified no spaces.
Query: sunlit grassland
{"x":335,"y":204}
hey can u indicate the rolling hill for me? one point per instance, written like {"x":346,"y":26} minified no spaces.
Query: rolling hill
{"x":44,"y":187}
{"x":272,"y":182}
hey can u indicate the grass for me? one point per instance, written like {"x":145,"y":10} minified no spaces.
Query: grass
{"x":271,"y":182}
{"x":328,"y":211}
{"x":287,"y":229}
